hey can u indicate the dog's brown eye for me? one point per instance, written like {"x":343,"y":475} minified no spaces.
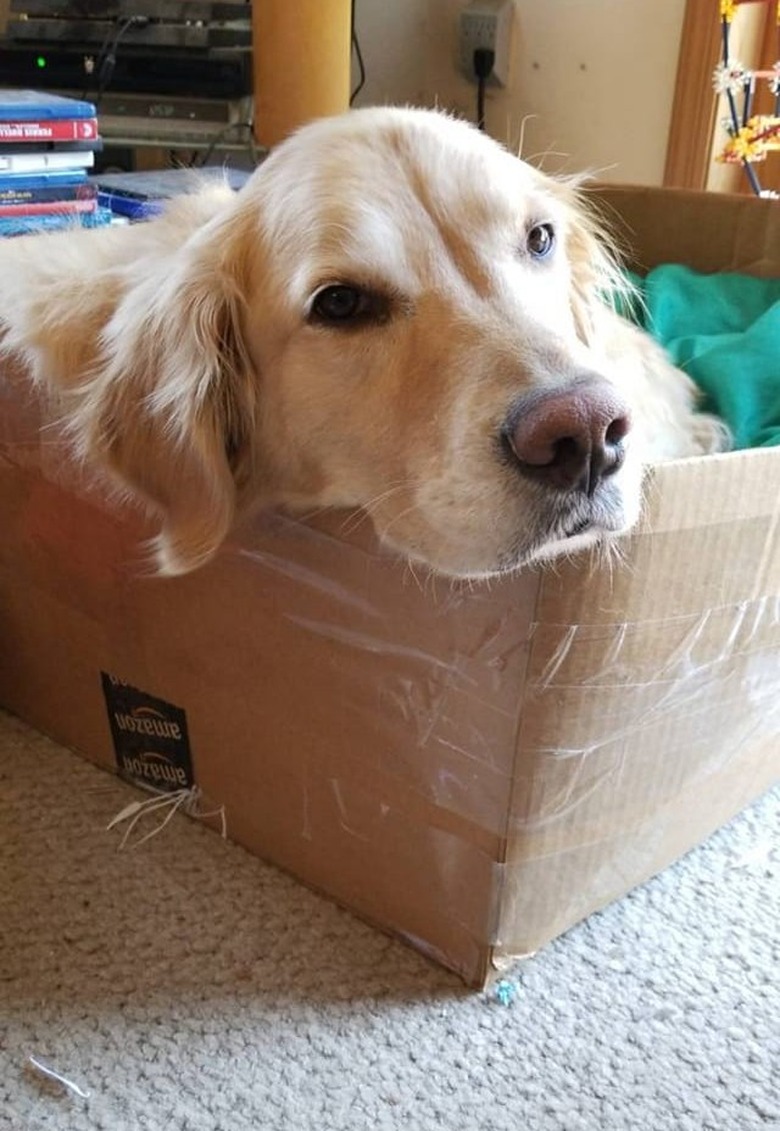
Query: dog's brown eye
{"x":340,"y":304}
{"x":541,"y":240}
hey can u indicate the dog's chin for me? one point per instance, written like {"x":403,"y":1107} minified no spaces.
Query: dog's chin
{"x":555,"y":547}
{"x":569,"y":544}
{"x":563,"y":528}
{"x":576,"y":536}
{"x":560,"y":544}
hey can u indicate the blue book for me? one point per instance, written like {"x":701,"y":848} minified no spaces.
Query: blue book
{"x":47,"y":194}
{"x":162,"y":184}
{"x":62,"y":178}
{"x":140,"y":196}
{"x":42,"y":160}
{"x":29,"y":225}
{"x":130,"y":206}
{"x":11,"y":147}
{"x":36,"y":106}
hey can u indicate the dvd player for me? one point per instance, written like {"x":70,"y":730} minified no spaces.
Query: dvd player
{"x":214,"y":73}
{"x":151,"y":34}
{"x":214,"y":11}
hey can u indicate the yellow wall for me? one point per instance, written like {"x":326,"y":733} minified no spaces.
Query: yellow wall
{"x":593,"y":79}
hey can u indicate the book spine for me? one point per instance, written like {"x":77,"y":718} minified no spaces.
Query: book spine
{"x":27,"y":225}
{"x":13,"y":148}
{"x":47,"y":207}
{"x":70,"y":129}
{"x":23,"y":182}
{"x":38,"y":106}
{"x":42,"y":194}
{"x":41,"y":162}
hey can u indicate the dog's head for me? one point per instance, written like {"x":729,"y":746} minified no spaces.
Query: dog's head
{"x":394,"y":313}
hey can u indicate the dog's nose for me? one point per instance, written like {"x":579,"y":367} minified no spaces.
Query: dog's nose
{"x":572,"y":438}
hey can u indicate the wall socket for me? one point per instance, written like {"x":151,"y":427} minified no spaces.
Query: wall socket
{"x":486,"y":23}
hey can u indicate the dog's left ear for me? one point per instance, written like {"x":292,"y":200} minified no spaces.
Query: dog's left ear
{"x":171,"y":410}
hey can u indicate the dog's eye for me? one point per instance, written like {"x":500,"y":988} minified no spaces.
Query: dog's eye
{"x":341,"y":304}
{"x":541,"y":240}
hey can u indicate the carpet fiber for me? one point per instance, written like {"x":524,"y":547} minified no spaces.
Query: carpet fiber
{"x":184,"y":985}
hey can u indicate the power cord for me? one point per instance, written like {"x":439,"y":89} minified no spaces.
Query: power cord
{"x":484,"y":59}
{"x":355,"y":43}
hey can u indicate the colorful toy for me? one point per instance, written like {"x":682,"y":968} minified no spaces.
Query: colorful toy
{"x":751,"y":136}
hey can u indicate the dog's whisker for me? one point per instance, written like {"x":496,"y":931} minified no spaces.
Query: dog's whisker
{"x":411,"y":570}
{"x":518,"y":148}
{"x":353,"y":521}
{"x":398,"y":517}
{"x":314,"y":512}
{"x":394,"y":489}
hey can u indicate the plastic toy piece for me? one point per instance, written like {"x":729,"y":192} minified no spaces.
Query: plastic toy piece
{"x":751,"y":136}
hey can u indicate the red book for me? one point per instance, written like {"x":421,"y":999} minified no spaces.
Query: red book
{"x":47,"y":207}
{"x":58,"y":129}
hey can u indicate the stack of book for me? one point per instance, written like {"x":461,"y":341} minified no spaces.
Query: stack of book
{"x":47,"y":144}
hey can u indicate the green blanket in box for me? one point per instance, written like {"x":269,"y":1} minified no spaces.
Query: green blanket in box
{"x":724,"y":330}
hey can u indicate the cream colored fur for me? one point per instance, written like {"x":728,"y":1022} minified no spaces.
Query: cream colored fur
{"x":193,"y":373}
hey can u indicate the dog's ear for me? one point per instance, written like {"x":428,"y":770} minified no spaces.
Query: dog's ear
{"x":596,"y":278}
{"x":171,"y":409}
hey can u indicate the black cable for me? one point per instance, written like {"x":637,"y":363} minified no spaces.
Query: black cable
{"x":483,"y":67}
{"x":220,"y":137}
{"x":98,"y":60}
{"x":481,"y":103}
{"x":106,"y":64}
{"x":355,"y":44}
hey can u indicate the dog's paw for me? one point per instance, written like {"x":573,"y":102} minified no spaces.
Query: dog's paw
{"x":710,"y":434}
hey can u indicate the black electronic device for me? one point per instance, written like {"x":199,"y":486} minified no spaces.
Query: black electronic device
{"x":191,"y":74}
{"x":140,"y":31}
{"x":170,"y":11}
{"x":189,"y":48}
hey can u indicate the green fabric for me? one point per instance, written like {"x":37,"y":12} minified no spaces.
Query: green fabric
{"x":724,"y":330}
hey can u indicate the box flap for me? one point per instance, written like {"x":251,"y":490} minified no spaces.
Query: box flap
{"x":707,"y":231}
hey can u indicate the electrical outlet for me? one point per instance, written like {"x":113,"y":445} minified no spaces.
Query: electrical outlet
{"x":486,"y":23}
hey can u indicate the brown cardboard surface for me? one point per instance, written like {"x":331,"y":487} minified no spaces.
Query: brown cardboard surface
{"x":473,"y":768}
{"x":707,"y":231}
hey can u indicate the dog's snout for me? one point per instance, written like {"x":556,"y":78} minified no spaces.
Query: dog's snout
{"x":570,"y":438}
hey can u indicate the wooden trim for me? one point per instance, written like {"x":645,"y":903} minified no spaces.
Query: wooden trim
{"x":770,"y":45}
{"x":769,"y":170}
{"x":694,"y":106}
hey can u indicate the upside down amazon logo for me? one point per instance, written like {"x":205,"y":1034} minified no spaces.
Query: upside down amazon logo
{"x":146,"y":720}
{"x":151,"y":743}
{"x":155,"y":769}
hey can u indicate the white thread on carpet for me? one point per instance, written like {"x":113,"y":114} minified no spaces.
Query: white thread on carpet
{"x":181,"y":800}
{"x":50,"y":1074}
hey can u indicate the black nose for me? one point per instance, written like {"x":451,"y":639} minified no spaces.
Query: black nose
{"x":570,"y":438}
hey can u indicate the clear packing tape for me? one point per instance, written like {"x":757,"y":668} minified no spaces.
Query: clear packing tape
{"x":472,"y":766}
{"x":574,"y":703}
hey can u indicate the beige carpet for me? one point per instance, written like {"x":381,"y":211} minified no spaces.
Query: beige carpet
{"x":184,"y":985}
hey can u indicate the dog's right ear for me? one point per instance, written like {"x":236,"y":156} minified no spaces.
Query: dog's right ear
{"x":171,"y":409}
{"x":596,"y":278}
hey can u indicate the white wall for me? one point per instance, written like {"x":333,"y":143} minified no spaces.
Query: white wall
{"x":592,"y":79}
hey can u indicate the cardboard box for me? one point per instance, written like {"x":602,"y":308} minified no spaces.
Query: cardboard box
{"x":472,"y":768}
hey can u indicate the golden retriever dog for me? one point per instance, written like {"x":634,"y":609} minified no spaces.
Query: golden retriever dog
{"x":395,"y":314}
